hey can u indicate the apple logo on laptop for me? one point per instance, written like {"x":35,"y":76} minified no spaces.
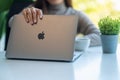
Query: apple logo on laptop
{"x":41,"y":36}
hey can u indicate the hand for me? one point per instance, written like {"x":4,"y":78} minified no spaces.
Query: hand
{"x":32,"y":15}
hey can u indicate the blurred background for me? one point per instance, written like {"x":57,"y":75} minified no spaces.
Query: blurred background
{"x":95,"y":9}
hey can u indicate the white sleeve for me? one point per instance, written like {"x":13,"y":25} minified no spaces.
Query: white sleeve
{"x":10,"y":21}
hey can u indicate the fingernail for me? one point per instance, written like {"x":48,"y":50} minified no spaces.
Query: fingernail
{"x":27,"y":21}
{"x":35,"y":21}
{"x":41,"y":18}
{"x":31,"y":22}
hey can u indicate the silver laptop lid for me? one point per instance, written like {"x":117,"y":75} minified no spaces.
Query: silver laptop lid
{"x":52,"y":38}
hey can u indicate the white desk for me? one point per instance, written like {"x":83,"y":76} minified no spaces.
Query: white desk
{"x":92,"y":65}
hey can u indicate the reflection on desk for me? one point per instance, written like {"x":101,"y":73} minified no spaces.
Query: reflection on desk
{"x":92,"y":65}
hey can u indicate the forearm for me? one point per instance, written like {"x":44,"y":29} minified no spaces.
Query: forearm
{"x":10,"y":22}
{"x":93,"y":34}
{"x":94,"y":39}
{"x":89,"y":30}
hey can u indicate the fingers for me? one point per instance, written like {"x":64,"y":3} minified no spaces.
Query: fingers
{"x":40,"y":14}
{"x":32,"y":15}
{"x":25,"y":15}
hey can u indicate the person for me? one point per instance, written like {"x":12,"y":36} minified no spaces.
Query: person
{"x":38,"y":9}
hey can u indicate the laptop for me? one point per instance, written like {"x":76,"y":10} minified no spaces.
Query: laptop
{"x":50,"y":39}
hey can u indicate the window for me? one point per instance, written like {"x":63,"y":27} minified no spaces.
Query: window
{"x":97,"y":9}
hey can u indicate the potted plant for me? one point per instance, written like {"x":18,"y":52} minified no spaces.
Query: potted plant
{"x":109,"y":28}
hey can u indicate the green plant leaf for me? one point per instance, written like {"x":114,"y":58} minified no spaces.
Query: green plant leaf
{"x":109,"y":25}
{"x":2,"y":22}
{"x":5,"y":5}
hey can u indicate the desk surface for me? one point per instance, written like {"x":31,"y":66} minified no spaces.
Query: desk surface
{"x":92,"y":65}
